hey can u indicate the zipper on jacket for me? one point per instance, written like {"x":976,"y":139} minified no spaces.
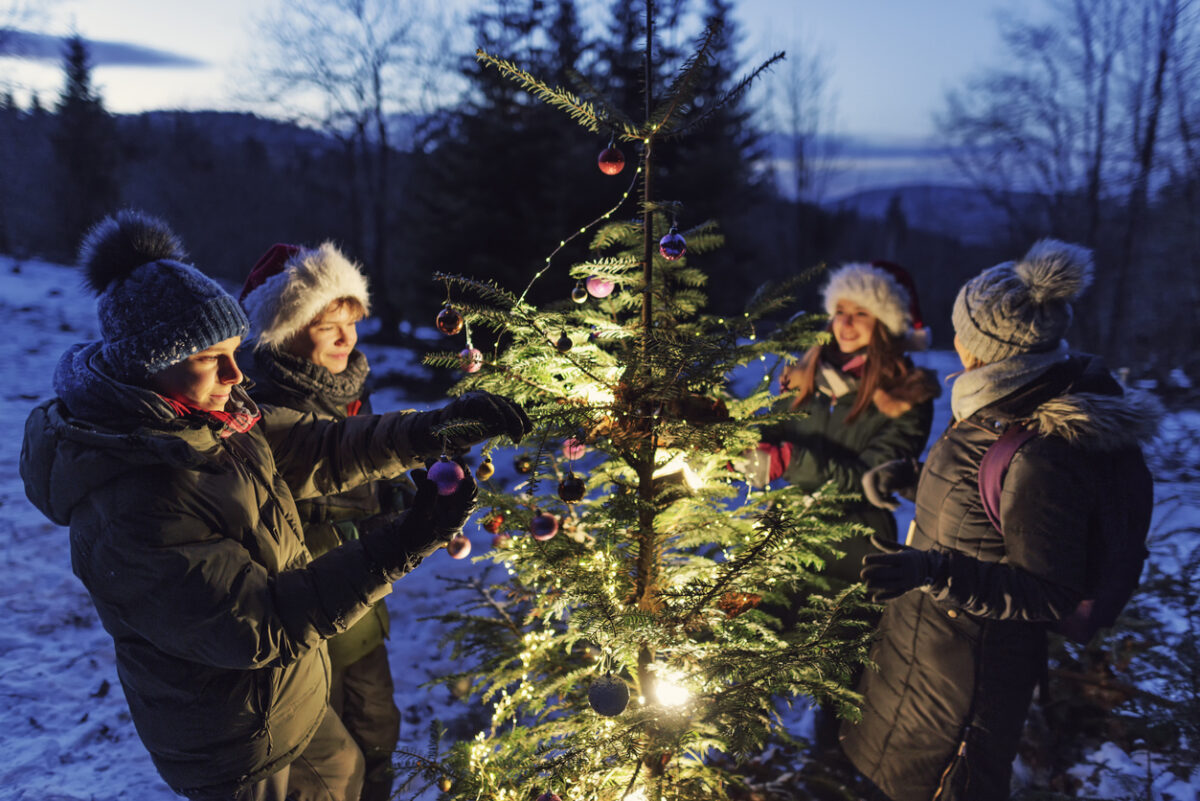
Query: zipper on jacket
{"x":960,"y":755}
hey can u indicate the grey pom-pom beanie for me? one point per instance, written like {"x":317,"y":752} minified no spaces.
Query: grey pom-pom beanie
{"x":1022,"y":306}
{"x":154,"y":310}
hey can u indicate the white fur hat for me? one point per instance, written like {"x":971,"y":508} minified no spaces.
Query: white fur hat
{"x":290,"y":286}
{"x":887,"y":291}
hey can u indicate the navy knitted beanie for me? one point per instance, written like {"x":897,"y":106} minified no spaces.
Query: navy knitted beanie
{"x":155,"y":311}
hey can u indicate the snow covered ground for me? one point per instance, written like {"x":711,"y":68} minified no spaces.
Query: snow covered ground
{"x":65,"y":732}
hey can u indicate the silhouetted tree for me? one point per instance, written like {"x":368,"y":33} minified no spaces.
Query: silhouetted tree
{"x":85,"y":145}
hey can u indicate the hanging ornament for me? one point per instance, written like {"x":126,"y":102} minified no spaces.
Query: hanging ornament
{"x":543,"y":526}
{"x":563,"y":344}
{"x":444,"y":784}
{"x":523,"y":463}
{"x":548,"y":796}
{"x":470,"y":359}
{"x":449,"y":321}
{"x":599,"y":287}
{"x":579,"y":294}
{"x":573,"y":449}
{"x":572,"y":488}
{"x":611,"y":160}
{"x":672,"y":246}
{"x":500,"y":540}
{"x":493,"y":522}
{"x":459,"y":546}
{"x":608,"y":695}
{"x":486,"y":469}
{"x":446,"y":474}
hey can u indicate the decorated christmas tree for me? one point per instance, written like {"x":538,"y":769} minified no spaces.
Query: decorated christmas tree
{"x":633,"y":648}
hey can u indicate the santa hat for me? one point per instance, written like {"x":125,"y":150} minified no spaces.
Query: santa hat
{"x":887,"y":291}
{"x":290,"y":286}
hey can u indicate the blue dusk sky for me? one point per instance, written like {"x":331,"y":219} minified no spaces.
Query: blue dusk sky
{"x":888,"y":62}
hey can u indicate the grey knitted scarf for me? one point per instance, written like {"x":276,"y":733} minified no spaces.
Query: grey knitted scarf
{"x":983,"y":386}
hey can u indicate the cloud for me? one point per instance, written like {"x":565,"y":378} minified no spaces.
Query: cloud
{"x":41,"y":47}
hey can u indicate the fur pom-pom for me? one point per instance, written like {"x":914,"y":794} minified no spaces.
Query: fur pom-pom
{"x":1055,"y":270}
{"x":119,"y":244}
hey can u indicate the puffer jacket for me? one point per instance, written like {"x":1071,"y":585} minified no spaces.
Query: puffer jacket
{"x":190,"y":545}
{"x":957,"y":662}
{"x":281,"y":379}
{"x":824,"y":447}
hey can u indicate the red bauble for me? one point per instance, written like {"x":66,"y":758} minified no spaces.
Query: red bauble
{"x":447,"y":475}
{"x":572,"y":489}
{"x":493,"y":522}
{"x":611,"y":160}
{"x":459,"y":547}
{"x":470,"y":359}
{"x":449,"y":321}
{"x":543,"y":526}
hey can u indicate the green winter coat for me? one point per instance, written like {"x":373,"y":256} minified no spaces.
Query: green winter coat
{"x":190,"y":545}
{"x":280,"y":379}
{"x":826,"y":448}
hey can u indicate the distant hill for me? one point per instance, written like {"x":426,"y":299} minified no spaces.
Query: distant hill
{"x":956,"y":211}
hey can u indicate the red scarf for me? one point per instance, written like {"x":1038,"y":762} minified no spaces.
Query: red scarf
{"x":353,"y":407}
{"x":238,"y":422}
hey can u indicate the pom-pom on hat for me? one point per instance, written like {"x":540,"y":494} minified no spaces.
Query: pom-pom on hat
{"x":154,"y":310}
{"x":887,"y":291}
{"x":1022,"y":306}
{"x":291,"y":285}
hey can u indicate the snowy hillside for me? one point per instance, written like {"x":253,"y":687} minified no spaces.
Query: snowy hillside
{"x":65,"y":731}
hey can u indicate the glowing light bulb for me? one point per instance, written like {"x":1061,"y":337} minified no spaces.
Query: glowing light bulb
{"x":668,"y":688}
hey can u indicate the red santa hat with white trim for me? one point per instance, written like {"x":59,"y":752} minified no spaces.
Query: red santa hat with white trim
{"x":887,"y":291}
{"x":291,"y":285}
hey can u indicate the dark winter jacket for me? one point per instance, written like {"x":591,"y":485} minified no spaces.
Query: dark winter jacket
{"x":824,"y":447}
{"x":957,"y":663}
{"x":191,"y":548}
{"x":281,"y":379}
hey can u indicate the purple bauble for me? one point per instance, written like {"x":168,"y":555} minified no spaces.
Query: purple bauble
{"x":672,"y":246}
{"x":543,"y":526}
{"x":447,"y":475}
{"x":599,"y":287}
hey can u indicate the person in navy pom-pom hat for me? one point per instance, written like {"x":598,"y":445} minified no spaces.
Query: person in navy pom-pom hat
{"x":180,"y":496}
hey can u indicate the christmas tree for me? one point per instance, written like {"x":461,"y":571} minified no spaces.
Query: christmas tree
{"x":631,"y":650}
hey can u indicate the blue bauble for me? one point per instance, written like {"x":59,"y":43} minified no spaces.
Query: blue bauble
{"x":608,"y":695}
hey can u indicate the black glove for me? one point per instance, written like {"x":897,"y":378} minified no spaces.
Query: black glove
{"x":898,"y":569}
{"x":898,"y":475}
{"x":429,"y":524}
{"x":483,"y":416}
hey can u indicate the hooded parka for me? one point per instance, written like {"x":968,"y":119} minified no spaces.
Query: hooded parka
{"x":958,"y":661}
{"x":187,"y":537}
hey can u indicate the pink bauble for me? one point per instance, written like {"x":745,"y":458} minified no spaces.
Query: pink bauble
{"x":599,"y":287}
{"x":573,"y":448}
{"x":500,"y":540}
{"x":470,"y":359}
{"x":611,"y":161}
{"x":543,"y":526}
{"x":447,"y":475}
{"x":459,"y":547}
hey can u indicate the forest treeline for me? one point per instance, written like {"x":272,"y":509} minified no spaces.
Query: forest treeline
{"x":491,"y":183}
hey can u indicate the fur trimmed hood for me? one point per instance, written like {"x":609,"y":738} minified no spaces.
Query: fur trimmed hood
{"x":917,"y":387}
{"x":1100,"y":422}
